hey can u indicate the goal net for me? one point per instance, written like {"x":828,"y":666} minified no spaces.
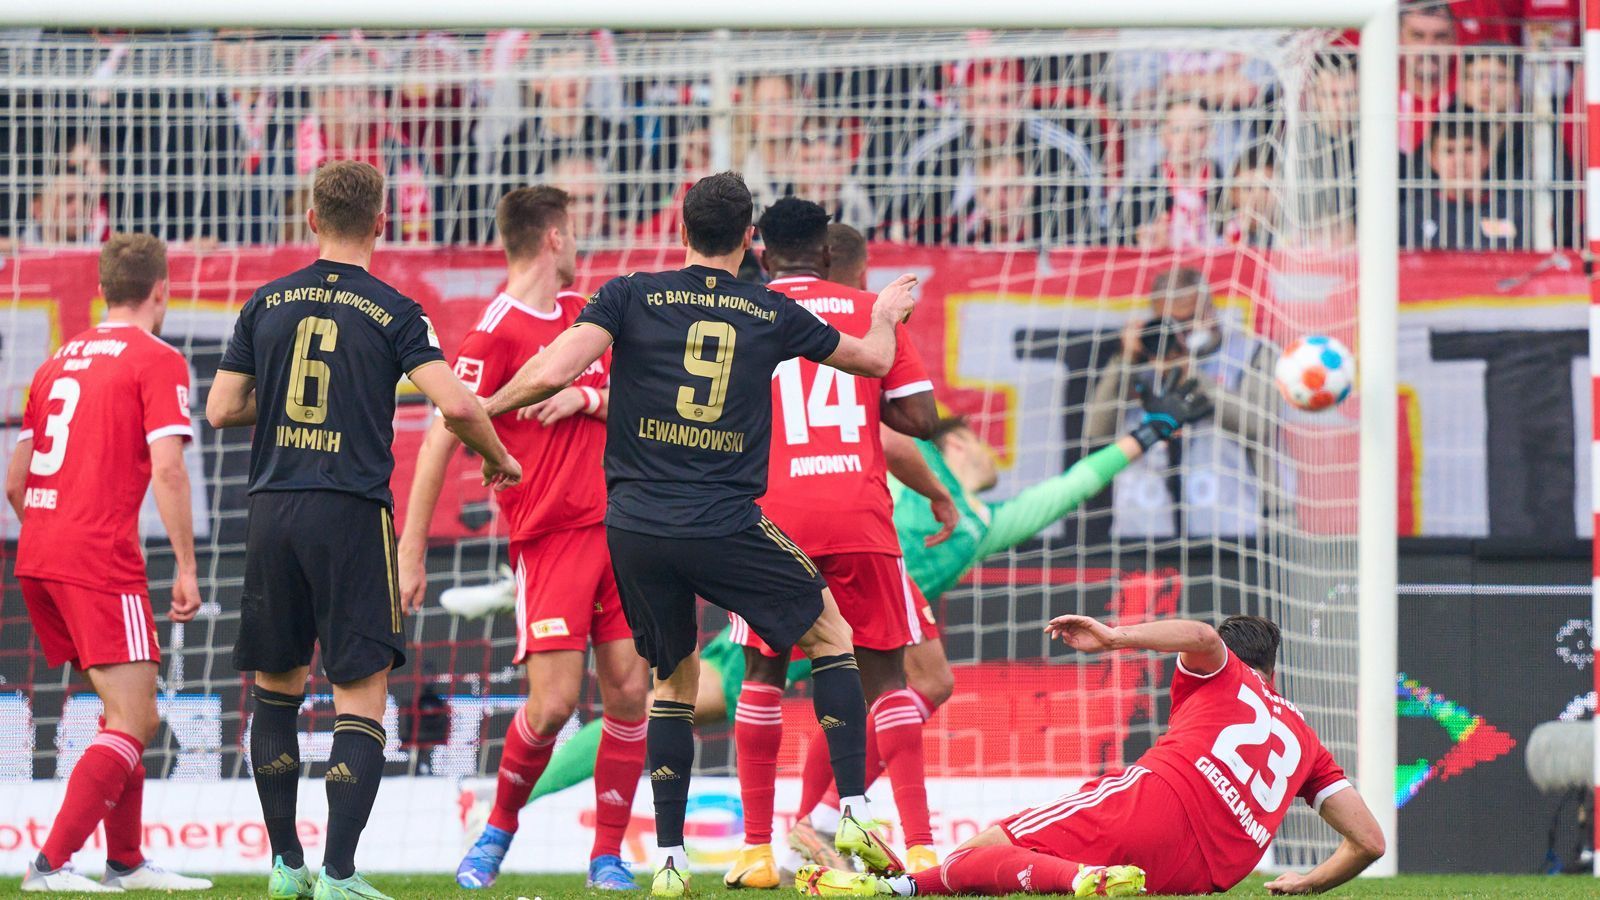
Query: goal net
{"x":1084,"y":208}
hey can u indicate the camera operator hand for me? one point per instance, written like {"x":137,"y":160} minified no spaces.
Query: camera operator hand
{"x":1132,"y":334}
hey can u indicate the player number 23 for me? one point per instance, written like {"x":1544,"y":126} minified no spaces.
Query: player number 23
{"x":303,"y":368}
{"x":716,"y":366}
{"x":1267,"y":787}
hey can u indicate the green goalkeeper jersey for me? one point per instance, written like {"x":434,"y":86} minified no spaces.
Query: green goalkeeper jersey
{"x":987,"y":528}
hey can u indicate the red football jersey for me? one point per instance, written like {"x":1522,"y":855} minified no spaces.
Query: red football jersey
{"x":827,"y":487}
{"x":563,"y":485}
{"x":93,"y":410}
{"x":1236,"y":753}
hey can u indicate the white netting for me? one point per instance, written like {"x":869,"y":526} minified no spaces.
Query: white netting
{"x":1041,"y":182}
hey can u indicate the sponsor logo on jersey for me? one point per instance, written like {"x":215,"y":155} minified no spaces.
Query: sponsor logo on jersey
{"x":183,"y":397}
{"x":548,"y":628}
{"x":433,"y":336}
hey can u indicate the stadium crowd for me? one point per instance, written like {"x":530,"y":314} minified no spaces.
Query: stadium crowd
{"x":1154,"y":148}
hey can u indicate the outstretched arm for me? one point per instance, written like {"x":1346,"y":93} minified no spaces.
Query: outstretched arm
{"x":464,"y":416}
{"x":1034,"y":508}
{"x":1199,"y":647}
{"x":1363,"y":844}
{"x":872,"y":354}
{"x":552,"y":369}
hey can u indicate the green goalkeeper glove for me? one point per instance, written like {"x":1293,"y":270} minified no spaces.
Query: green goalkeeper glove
{"x":1168,"y":406}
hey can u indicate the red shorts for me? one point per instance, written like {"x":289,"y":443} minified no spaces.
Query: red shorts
{"x":90,"y":627}
{"x":566,"y":592}
{"x":875,"y":595}
{"x":1129,"y":818}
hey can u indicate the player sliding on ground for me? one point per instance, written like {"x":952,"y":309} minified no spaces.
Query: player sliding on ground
{"x":566,"y":594}
{"x":313,"y":363}
{"x":828,"y":490}
{"x":108,"y":410}
{"x":1195,"y":813}
{"x":686,"y":457}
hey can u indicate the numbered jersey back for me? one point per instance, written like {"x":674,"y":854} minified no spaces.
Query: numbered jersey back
{"x":327,"y":346}
{"x":1238,"y":754}
{"x":93,"y":410}
{"x":691,"y":405}
{"x":827,"y":487}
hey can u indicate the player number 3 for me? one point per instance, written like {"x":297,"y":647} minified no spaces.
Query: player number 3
{"x":56,"y":427}
{"x":1270,"y":786}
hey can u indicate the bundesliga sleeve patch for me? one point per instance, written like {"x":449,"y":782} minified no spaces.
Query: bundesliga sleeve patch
{"x":433,"y":336}
{"x":470,"y":371}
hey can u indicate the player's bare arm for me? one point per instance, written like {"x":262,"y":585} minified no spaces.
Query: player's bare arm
{"x":913,"y":415}
{"x":1199,"y":647}
{"x":872,"y":354}
{"x":568,"y":402}
{"x":169,"y":482}
{"x":463,"y":415}
{"x":906,"y":464}
{"x":232,"y":400}
{"x":1363,"y":845}
{"x":438,"y":445}
{"x":552,"y":369}
{"x":17,"y":475}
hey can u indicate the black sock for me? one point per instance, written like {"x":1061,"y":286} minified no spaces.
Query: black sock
{"x":355,"y":765}
{"x":669,"y":746}
{"x":275,"y":756}
{"x":842,"y":712}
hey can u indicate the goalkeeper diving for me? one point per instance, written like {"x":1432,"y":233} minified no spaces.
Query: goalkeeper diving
{"x":967,"y":466}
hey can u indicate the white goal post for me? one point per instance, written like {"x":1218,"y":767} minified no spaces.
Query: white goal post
{"x":1376,"y":201}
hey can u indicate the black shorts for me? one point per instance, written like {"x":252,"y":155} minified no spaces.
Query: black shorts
{"x":319,"y":568}
{"x":757,"y":573}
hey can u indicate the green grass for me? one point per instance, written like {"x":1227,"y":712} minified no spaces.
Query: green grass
{"x":568,"y":887}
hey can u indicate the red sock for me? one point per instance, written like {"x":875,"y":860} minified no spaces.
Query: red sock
{"x":125,"y":823}
{"x":757,"y":735}
{"x":898,"y":727}
{"x":997,"y":870}
{"x":101,"y":772}
{"x":616,"y":777}
{"x":816,"y":774}
{"x":522,"y":761}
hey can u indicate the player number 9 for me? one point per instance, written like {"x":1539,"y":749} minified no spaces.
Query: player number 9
{"x":715,"y":368}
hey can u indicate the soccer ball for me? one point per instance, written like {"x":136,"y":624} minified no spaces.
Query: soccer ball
{"x":1316,"y":372}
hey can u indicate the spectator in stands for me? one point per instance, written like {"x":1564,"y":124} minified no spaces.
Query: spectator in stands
{"x":1175,"y":204}
{"x":1457,"y":209}
{"x":822,"y":174}
{"x":992,"y":116}
{"x":1490,"y":92}
{"x":1327,"y":152}
{"x":571,"y":117}
{"x":1252,"y":199}
{"x":767,"y":137}
{"x":1236,"y":87}
{"x":589,"y":210}
{"x":69,"y":209}
{"x":252,"y":145}
{"x":1002,"y":211}
{"x":348,"y":119}
{"x":1427,"y":60}
{"x":1184,"y":330}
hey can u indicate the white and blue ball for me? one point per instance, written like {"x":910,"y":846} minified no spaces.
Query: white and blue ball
{"x":1316,"y":372}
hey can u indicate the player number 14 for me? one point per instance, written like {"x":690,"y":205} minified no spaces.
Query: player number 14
{"x":814,"y":411}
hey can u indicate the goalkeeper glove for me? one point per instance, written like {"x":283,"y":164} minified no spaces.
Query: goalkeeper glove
{"x":1168,"y":406}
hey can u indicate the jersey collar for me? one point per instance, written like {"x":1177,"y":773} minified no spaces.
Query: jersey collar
{"x":794,"y":279}
{"x":514,"y":303}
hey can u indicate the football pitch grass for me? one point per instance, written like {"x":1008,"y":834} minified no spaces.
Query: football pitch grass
{"x":570,"y":887}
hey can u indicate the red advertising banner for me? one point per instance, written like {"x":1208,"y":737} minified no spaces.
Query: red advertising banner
{"x":1002,"y":332}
